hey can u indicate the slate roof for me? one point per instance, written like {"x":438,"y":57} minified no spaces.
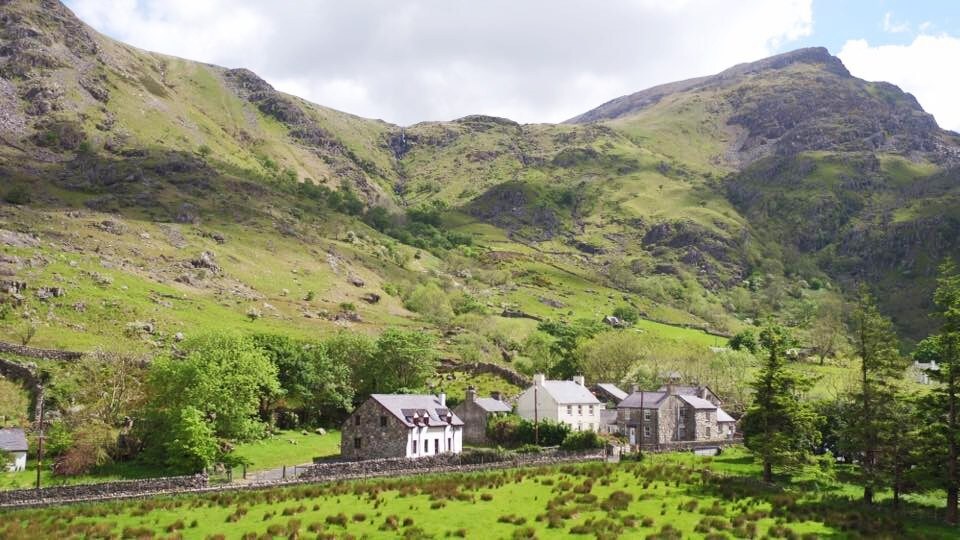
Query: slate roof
{"x":612,"y":389}
{"x":564,"y":392}
{"x":490,"y":404}
{"x":651,"y":400}
{"x":608,"y":416}
{"x":722,"y":416}
{"x":697,"y":402}
{"x":13,"y":440}
{"x":408,"y":407}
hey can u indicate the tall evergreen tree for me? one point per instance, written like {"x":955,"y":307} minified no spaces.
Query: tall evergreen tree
{"x":941,"y":407}
{"x":779,"y":427}
{"x":874,"y":421}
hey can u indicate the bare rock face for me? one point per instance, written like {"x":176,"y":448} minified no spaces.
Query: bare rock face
{"x":17,"y":239}
{"x":206,"y":260}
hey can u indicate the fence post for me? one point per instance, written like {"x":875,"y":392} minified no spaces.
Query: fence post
{"x":284,"y":473}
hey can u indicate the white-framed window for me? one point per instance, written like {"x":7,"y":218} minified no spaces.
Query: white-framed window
{"x":647,"y":414}
{"x":569,"y":409}
{"x":580,"y":410}
{"x":413,"y":447}
{"x":647,"y":432}
{"x":591,"y":410}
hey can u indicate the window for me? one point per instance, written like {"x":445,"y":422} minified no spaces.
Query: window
{"x":647,"y":415}
{"x":357,"y":442}
{"x":436,"y":446}
{"x":356,"y":419}
{"x":707,"y":432}
{"x":413,"y":447}
{"x":591,"y":410}
{"x":449,"y":444}
{"x":580,"y":410}
{"x":579,"y":427}
{"x":683,"y":414}
{"x":569,"y":409}
{"x":647,"y":432}
{"x":383,"y":421}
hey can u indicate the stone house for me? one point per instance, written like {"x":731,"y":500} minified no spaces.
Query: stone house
{"x":669,"y":416}
{"x":476,"y":412}
{"x":13,"y":441}
{"x":401,"y":425}
{"x":569,"y":402}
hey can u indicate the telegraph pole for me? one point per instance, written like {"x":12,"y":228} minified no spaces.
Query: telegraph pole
{"x":40,"y":437}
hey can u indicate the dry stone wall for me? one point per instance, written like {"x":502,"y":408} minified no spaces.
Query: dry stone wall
{"x":104,"y":491}
{"x":43,"y":354}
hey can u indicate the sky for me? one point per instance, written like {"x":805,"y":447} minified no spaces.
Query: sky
{"x":533,"y":60}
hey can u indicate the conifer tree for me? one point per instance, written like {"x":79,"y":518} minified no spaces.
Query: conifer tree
{"x":941,"y":407}
{"x":868,"y":434}
{"x":779,"y":427}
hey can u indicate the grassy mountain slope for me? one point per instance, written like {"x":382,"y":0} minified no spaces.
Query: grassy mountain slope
{"x":692,"y":201}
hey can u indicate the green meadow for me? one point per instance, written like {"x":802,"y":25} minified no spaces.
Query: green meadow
{"x":661,"y":497}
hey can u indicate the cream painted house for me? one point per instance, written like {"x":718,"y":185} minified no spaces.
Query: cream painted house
{"x":569,"y":402}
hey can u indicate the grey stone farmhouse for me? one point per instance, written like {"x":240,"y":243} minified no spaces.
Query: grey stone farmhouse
{"x":476,"y":412}
{"x":673,"y":414}
{"x":401,"y":425}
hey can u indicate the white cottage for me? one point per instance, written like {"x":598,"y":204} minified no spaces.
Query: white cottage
{"x":401,"y":425}
{"x":13,"y":441}
{"x":569,"y":402}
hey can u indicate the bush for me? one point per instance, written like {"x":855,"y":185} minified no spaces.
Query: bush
{"x":17,"y":195}
{"x":582,"y":440}
{"x":626,"y":314}
{"x":513,"y":431}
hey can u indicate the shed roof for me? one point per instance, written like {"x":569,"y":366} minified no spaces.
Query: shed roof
{"x":490,"y":404}
{"x":13,"y":440}
{"x":408,"y":407}
{"x":564,"y":392}
{"x":648,"y":400}
{"x":613,"y":390}
{"x":722,"y":416}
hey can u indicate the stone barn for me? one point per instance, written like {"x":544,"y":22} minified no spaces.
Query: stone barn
{"x":476,"y":411}
{"x":401,"y":425}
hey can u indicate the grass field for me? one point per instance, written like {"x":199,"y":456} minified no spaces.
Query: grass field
{"x":666,"y":496}
{"x":278,"y":450}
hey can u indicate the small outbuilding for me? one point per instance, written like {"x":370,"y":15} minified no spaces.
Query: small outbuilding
{"x":476,"y":412}
{"x":13,"y":441}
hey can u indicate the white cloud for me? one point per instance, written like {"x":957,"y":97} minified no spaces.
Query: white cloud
{"x":533,"y":61}
{"x":894,"y":27}
{"x":922,"y":68}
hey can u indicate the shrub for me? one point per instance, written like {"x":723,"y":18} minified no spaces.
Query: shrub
{"x":582,"y":440}
{"x":17,"y":195}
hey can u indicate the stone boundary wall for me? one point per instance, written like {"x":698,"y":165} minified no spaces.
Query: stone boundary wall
{"x":42,"y":354}
{"x":321,"y":473}
{"x":680,"y":446}
{"x":102,"y":491}
{"x":18,"y":372}
{"x":510,"y":375}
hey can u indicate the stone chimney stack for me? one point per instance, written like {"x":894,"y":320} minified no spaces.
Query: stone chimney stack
{"x":443,"y":399}
{"x":471,"y":394}
{"x":538,"y":379}
{"x":578,"y":379}
{"x":634,"y":388}
{"x":497,"y":396}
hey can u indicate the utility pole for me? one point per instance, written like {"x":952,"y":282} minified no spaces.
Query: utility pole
{"x":40,"y":437}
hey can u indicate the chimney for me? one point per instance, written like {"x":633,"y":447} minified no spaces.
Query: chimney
{"x":670,"y":389}
{"x":496,"y":395}
{"x":443,"y":399}
{"x":634,"y":388}
{"x":471,"y":394}
{"x":578,"y":379}
{"x":538,"y":379}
